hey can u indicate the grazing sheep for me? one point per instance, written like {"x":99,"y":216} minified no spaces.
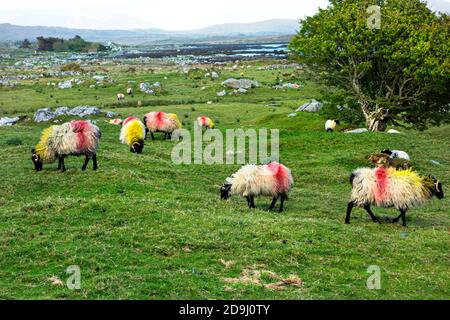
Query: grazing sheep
{"x":330,"y":125}
{"x":132,"y":134}
{"x":158,"y":121}
{"x":272,"y":179}
{"x":77,"y":137}
{"x":205,"y":122}
{"x":384,"y":160}
{"x":402,"y":189}
{"x":396,"y":154}
{"x":129,"y":91}
{"x":120,"y":96}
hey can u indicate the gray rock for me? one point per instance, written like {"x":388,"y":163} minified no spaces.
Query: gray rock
{"x":312,"y":106}
{"x":436,"y":162}
{"x":83,"y":111}
{"x":8,"y":121}
{"x":241,"y":83}
{"x":44,"y":114}
{"x":361,"y":130}
{"x":294,"y":114}
{"x":110,"y":114}
{"x":65,"y":84}
{"x":61,"y":111}
{"x":393,"y":131}
{"x":214,"y":75}
{"x":221,"y":93}
{"x":147,"y":88}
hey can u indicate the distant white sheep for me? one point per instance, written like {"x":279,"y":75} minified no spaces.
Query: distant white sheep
{"x":330,"y":125}
{"x":120,"y":96}
{"x":396,"y":154}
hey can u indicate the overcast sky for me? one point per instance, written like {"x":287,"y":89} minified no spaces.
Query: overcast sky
{"x":164,"y":14}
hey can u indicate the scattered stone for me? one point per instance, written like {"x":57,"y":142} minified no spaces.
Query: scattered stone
{"x":361,"y":130}
{"x":241,"y":83}
{"x":221,"y":93}
{"x":8,"y":121}
{"x":44,"y":114}
{"x":312,"y":106}
{"x":147,"y":88}
{"x":393,"y":131}
{"x":62,"y":111}
{"x":288,"y":86}
{"x":294,"y":114}
{"x":214,"y":75}
{"x":110,"y":114}
{"x":65,"y":84}
{"x":83,"y":111}
{"x":436,"y":162}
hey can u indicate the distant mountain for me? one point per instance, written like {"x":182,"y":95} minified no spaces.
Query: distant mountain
{"x":272,"y":27}
{"x":275,"y":27}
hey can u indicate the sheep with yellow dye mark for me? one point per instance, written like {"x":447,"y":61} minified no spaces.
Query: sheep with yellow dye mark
{"x":205,"y":122}
{"x":77,"y":137}
{"x":158,"y":121}
{"x":133,"y":134}
{"x":271,"y":179}
{"x":387,"y":187}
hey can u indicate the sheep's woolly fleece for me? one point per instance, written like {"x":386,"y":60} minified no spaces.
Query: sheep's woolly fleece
{"x":133,"y":130}
{"x":205,"y":122}
{"x":330,"y":124}
{"x":162,"y":122}
{"x":268,"y":180}
{"x":71,"y":138}
{"x":383,"y":187}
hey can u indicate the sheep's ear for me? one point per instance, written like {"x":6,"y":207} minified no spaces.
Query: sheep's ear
{"x":33,"y":151}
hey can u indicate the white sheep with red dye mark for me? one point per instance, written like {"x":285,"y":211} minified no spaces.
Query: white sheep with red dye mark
{"x":159,"y":121}
{"x":77,"y":137}
{"x":271,"y":179}
{"x":388,"y":187}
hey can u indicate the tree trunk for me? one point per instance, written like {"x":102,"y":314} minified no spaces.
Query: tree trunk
{"x":377,"y":120}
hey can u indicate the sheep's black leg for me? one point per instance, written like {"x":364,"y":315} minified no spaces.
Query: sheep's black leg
{"x":165,"y":135}
{"x":249,"y":202}
{"x":59,"y":164}
{"x":350,"y":206}
{"x":252,"y":199}
{"x":86,"y":160}
{"x":371,"y":214}
{"x":274,"y":201}
{"x":153,"y":137}
{"x":283,"y":197}
{"x":63,"y":167}
{"x":403,"y":216}
{"x":170,"y":136}
{"x":94,"y":160}
{"x":146,"y":132}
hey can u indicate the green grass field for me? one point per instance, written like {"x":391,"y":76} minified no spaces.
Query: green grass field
{"x":142,"y":227}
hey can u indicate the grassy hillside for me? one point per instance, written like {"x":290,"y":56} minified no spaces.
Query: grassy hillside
{"x":143,"y":228}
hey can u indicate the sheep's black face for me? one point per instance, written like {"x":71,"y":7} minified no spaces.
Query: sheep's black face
{"x":225,"y":191}
{"x":387,"y":151}
{"x":337,"y":122}
{"x":137,"y":147}
{"x":36,"y":160}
